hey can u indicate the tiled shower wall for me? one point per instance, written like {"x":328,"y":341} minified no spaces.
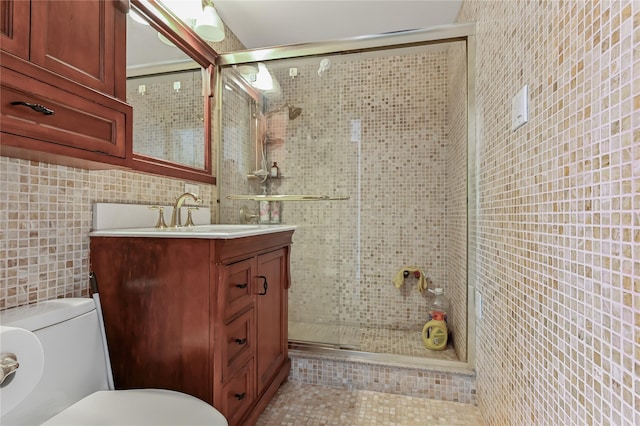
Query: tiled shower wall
{"x":347,"y":252}
{"x":237,"y":152}
{"x":558,"y":229}
{"x":457,"y":210}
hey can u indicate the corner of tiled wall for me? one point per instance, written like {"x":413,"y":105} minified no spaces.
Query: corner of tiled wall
{"x":557,"y":228}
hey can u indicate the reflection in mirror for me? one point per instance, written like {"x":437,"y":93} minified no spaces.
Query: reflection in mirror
{"x":168,"y":121}
{"x":165,"y":89}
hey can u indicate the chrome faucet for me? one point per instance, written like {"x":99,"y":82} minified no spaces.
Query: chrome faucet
{"x":176,"y":220}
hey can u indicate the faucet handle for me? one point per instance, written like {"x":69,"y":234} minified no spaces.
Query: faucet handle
{"x":246,"y":216}
{"x":160,"y":223}
{"x":189,"y":218}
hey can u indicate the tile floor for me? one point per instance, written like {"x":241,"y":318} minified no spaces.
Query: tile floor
{"x":302,"y":404}
{"x":377,"y":340}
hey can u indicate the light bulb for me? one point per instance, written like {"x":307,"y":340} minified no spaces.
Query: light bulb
{"x":209,"y":26}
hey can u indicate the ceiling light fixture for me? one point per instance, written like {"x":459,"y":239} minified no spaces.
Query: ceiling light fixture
{"x":199,"y":15}
{"x":209,"y":26}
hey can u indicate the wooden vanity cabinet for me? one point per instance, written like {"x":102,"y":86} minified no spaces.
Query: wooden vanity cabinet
{"x":194,"y":315}
{"x":68,"y":57}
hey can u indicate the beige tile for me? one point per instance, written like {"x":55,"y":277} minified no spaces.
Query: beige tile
{"x":303,"y":404}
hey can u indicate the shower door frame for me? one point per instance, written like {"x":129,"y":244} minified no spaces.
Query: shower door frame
{"x":464,"y":32}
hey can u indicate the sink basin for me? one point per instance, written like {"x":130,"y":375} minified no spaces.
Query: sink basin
{"x":213,"y":231}
{"x":215,"y":228}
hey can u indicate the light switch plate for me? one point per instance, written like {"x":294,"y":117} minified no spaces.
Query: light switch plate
{"x":520,"y":108}
{"x":478,"y":305}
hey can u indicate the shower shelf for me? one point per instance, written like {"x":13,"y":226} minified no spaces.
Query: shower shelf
{"x":279,"y":197}
{"x":256,"y":177}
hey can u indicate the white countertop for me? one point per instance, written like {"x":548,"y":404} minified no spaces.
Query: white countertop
{"x":214,"y":231}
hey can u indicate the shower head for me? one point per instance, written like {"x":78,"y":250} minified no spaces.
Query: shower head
{"x":294,"y":111}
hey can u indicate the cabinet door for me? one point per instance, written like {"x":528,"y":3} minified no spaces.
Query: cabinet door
{"x":14,"y":27}
{"x":77,"y":39}
{"x":156,"y":304}
{"x":271,"y":315}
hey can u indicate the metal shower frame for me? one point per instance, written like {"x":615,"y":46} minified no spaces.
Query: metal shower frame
{"x":464,"y":32}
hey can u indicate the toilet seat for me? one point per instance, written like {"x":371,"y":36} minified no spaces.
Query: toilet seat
{"x":138,"y":407}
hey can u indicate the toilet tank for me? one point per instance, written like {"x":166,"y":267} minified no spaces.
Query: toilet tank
{"x":74,"y":358}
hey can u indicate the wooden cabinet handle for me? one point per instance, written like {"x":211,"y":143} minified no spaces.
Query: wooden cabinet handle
{"x":240,"y":396}
{"x":243,"y":285}
{"x":36,"y":107}
{"x":241,"y":341}
{"x":265,"y":285}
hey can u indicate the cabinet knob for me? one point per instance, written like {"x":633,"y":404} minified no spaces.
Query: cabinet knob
{"x":36,"y":107}
{"x":241,"y":341}
{"x":243,"y":285}
{"x":240,"y":396}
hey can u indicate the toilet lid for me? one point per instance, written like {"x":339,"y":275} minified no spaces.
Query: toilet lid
{"x":138,"y":407}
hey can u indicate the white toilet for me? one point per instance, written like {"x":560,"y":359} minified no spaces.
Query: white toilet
{"x":64,"y":376}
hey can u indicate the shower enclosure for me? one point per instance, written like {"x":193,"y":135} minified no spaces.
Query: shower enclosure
{"x":371,"y":139}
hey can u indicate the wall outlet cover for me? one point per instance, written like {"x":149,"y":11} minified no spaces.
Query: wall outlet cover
{"x":190,"y":187}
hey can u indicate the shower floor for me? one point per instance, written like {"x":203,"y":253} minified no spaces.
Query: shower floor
{"x":375,"y":340}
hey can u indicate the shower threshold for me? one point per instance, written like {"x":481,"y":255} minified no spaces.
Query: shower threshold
{"x":301,"y":344}
{"x":364,"y":340}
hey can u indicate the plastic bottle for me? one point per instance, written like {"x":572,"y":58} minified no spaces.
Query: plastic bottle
{"x":275,"y":209}
{"x":438,"y":303}
{"x":265,"y":216}
{"x":435,"y":334}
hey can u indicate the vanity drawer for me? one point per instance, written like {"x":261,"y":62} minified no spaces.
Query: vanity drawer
{"x":238,"y":394}
{"x":75,"y":121}
{"x":237,"y":284}
{"x":238,"y":343}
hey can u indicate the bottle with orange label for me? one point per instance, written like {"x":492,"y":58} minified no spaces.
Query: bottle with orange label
{"x":435,"y":333}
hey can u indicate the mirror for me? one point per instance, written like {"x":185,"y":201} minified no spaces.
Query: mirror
{"x":168,"y":86}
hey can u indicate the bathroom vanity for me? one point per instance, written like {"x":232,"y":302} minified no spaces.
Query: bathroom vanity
{"x":200,"y":312}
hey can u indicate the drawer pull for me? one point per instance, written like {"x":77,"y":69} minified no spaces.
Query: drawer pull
{"x":240,"y":396}
{"x":241,"y":341}
{"x":243,"y":285}
{"x":265,"y":285}
{"x":36,"y":107}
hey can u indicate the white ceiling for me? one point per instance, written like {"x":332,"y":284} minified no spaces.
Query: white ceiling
{"x":267,"y":23}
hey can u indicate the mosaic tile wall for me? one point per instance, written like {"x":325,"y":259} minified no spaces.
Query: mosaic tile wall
{"x":237,"y":152}
{"x":45,"y":219}
{"x":401,"y":380}
{"x":558,"y":229}
{"x":396,"y":177}
{"x":168,"y":123}
{"x":457,"y":171}
{"x":347,"y":252}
